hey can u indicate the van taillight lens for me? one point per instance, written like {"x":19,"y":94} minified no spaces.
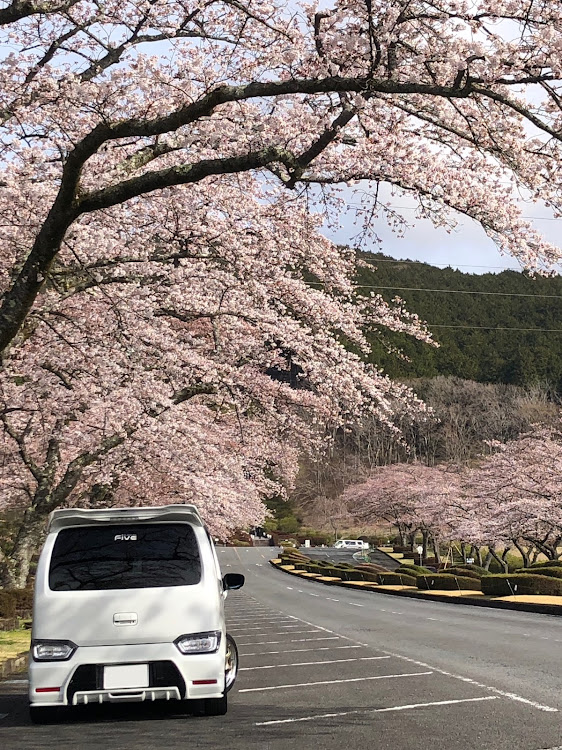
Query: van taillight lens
{"x":199,"y":643}
{"x":52,"y":650}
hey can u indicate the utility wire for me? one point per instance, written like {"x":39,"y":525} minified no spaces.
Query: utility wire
{"x":457,"y":291}
{"x":447,"y":291}
{"x":495,"y":328}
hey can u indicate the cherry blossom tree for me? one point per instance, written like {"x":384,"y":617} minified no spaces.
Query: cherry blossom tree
{"x":515,"y":495}
{"x":172,"y":322}
{"x":194,"y":368}
{"x":414,"y":497}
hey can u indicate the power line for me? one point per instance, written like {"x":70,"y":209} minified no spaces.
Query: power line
{"x":457,"y":291}
{"x":446,"y":291}
{"x":495,"y":328}
{"x":447,"y":265}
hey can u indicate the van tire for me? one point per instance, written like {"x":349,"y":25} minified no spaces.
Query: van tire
{"x":46,"y":714}
{"x":231,"y":666}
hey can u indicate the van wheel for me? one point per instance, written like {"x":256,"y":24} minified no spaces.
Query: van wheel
{"x":231,"y":663}
{"x":211,"y":706}
{"x":46,"y":714}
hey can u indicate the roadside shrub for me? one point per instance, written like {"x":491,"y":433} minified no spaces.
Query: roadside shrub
{"x":372,"y":568}
{"x":546,"y":564}
{"x":521,"y":583}
{"x":457,"y":571}
{"x":396,"y":579}
{"x":476,"y":568}
{"x":24,"y":599}
{"x":552,"y":570}
{"x":415,"y":568}
{"x":7,"y":604}
{"x":446,"y":582}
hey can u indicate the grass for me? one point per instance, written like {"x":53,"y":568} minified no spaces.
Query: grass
{"x":13,"y":642}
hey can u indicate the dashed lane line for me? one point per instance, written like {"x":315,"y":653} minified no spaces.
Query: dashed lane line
{"x":379,"y":711}
{"x":334,"y":682}
{"x":468,"y":680}
{"x":313,"y":663}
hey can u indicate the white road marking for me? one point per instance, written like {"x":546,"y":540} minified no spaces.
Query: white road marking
{"x":314,"y":594}
{"x":503,"y":693}
{"x":334,"y":682}
{"x":294,"y":632}
{"x":332,"y":600}
{"x":351,"y":604}
{"x":293,"y":640}
{"x":380,"y":711}
{"x":299,"y":650}
{"x":258,"y":627}
{"x":311,"y":663}
{"x":15,"y":682}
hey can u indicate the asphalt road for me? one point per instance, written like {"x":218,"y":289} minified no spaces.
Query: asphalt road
{"x":325,"y":667}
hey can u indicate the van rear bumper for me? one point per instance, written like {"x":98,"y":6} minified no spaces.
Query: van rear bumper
{"x":172,"y":675}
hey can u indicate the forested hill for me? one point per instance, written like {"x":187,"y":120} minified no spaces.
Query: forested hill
{"x":476,"y":346}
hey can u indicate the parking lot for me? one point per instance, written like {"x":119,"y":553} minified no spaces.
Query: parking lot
{"x":326,"y":668}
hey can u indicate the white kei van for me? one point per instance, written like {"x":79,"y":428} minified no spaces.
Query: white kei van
{"x":129,"y":606}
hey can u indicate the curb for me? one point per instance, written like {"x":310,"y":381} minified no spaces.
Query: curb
{"x":13,"y":665}
{"x":543,"y":609}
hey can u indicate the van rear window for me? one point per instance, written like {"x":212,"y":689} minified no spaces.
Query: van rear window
{"x":124,"y":557}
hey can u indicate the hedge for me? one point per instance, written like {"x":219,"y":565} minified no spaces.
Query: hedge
{"x":372,"y":567}
{"x":457,"y":571}
{"x":7,"y":604}
{"x":521,"y":583}
{"x":15,"y":601}
{"x":553,"y":571}
{"x":396,"y":579}
{"x":446,"y":582}
{"x":547,"y":564}
{"x":416,"y":568}
{"x":476,"y":568}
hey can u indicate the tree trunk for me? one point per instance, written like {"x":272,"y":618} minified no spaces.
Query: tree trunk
{"x":523,"y":552}
{"x":501,"y":561}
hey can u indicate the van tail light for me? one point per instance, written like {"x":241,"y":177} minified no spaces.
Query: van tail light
{"x":52,"y":650}
{"x":199,"y":643}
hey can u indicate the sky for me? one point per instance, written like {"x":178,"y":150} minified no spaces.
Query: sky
{"x":467,"y":247}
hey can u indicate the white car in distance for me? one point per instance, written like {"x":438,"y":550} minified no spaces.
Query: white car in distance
{"x":351,"y":544}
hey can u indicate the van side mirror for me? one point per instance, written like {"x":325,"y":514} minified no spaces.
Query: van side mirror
{"x":233,"y":581}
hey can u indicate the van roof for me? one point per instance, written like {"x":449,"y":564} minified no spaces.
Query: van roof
{"x":61,"y":519}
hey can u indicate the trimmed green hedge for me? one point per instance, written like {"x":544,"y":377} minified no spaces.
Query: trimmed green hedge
{"x":553,"y":571}
{"x":458,"y":571}
{"x":372,"y":567}
{"x":396,"y":579}
{"x":7,"y":604}
{"x":521,"y":583}
{"x":446,"y":582}
{"x":546,"y":564}
{"x":476,"y":568}
{"x":15,"y":602}
{"x":416,"y":568}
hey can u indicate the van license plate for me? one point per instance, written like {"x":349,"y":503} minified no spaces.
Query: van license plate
{"x":125,"y":676}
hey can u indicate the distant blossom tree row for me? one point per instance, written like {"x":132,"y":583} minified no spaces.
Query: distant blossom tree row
{"x":512,"y":499}
{"x":174,"y":326}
